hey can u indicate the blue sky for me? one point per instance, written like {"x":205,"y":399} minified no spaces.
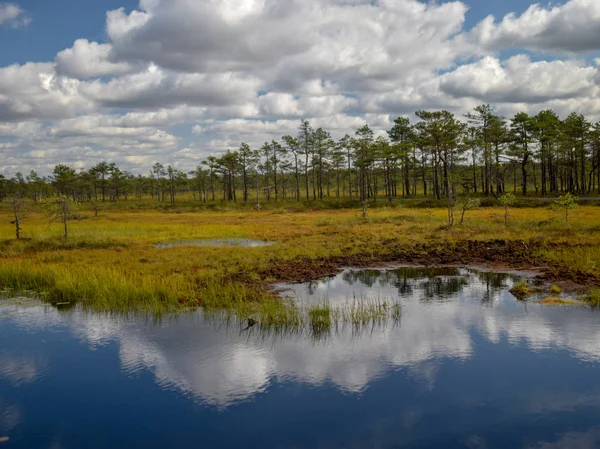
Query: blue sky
{"x":177,"y":80}
{"x":479,"y":9}
{"x":54,"y":26}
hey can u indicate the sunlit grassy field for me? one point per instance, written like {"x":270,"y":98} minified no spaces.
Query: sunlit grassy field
{"x":110,"y":262}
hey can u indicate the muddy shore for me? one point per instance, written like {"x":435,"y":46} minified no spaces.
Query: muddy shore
{"x":504,"y":255}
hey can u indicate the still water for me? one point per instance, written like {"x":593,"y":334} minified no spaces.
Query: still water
{"x":248,"y":243}
{"x":467,"y":366}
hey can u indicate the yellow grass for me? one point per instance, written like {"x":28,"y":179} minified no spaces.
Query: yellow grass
{"x":555,"y":301}
{"x":111,"y":261}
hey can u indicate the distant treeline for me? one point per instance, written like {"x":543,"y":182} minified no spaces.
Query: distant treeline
{"x":440,"y":156}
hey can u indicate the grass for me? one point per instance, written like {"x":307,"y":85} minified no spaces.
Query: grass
{"x":320,"y":318}
{"x":522,"y":290}
{"x":107,"y":289}
{"x":366,"y":313}
{"x":555,"y":301}
{"x":15,"y":247}
{"x":282,"y":317}
{"x":110,"y":262}
{"x":555,"y":289}
{"x":593,"y":298}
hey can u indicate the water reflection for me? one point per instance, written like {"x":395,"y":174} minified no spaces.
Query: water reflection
{"x":219,"y":364}
{"x":572,"y":440}
{"x":10,"y":417}
{"x":20,"y":369}
{"x":248,"y":243}
{"x":464,"y":343}
{"x":427,"y":284}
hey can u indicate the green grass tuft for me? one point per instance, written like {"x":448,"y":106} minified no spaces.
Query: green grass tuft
{"x":555,"y":289}
{"x":522,"y":290}
{"x":593,"y":298}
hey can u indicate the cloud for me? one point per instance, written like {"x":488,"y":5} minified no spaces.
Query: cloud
{"x":277,"y":104}
{"x":83,"y":141}
{"x":518,"y":79}
{"x":234,"y":67}
{"x":344,"y":43}
{"x":21,"y":129}
{"x":118,"y":23}
{"x":570,"y":27}
{"x":89,"y":60}
{"x":36,"y":91}
{"x":230,"y":133}
{"x":12,"y":15}
{"x":156,"y":87}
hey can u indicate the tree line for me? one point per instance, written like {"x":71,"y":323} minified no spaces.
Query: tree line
{"x":440,"y":156}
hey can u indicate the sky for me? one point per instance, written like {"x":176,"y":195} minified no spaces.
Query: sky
{"x":136,"y":82}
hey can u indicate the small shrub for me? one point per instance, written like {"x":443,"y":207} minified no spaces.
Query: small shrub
{"x":506,"y":201}
{"x":564,"y":204}
{"x":62,"y":209}
{"x":468,"y":204}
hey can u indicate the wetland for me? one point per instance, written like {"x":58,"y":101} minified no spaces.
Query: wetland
{"x":466,"y":365}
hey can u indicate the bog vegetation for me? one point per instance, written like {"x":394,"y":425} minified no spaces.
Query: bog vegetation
{"x":431,"y":192}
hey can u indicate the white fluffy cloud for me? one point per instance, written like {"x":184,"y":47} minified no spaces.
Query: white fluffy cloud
{"x":35,"y":91}
{"x":570,"y":27}
{"x":89,"y":59}
{"x":230,"y":66}
{"x":520,"y":80}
